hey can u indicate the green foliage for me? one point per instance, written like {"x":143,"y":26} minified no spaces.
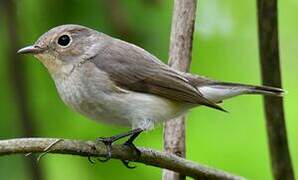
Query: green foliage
{"x":225,"y":48}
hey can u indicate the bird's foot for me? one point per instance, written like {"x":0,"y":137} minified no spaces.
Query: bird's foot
{"x":135,"y":150}
{"x":108,"y":141}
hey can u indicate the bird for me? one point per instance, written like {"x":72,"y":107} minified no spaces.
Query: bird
{"x":109,"y":80}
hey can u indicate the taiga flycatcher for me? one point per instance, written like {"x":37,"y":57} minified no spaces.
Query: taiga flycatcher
{"x":113,"y":81}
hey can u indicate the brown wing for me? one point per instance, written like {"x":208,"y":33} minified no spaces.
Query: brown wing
{"x":135,"y":69}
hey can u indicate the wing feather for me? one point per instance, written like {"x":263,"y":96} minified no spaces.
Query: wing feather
{"x":133,"y":68}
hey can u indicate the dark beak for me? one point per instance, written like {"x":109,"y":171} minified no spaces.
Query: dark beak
{"x":30,"y":50}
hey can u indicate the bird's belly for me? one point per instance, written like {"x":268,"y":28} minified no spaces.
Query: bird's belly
{"x":85,"y":96}
{"x":91,"y":95}
{"x":145,"y":110}
{"x":137,"y":110}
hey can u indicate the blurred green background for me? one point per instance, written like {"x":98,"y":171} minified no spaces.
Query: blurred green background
{"x":225,"y":48}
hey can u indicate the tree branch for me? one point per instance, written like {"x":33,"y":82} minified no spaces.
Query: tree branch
{"x":183,"y":21}
{"x":90,"y":148}
{"x":275,"y":119}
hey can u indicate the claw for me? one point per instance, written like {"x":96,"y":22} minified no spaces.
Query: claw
{"x":133,"y":147}
{"x":126,"y":164}
{"x":129,"y":143}
{"x":105,"y":159}
{"x":90,"y":160}
{"x":108,"y":142}
{"x":102,"y":139}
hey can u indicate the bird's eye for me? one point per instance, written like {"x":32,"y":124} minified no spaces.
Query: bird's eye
{"x":64,"y":40}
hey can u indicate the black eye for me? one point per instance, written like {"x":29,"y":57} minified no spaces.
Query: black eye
{"x":64,"y":40}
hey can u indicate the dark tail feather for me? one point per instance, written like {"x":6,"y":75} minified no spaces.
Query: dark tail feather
{"x":251,"y":89}
{"x":209,"y":103}
{"x":217,"y":107}
{"x":267,"y":90}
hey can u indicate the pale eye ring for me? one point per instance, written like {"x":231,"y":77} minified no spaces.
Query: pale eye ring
{"x":64,"y":40}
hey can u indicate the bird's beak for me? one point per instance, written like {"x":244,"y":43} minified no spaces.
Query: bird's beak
{"x":31,"y":50}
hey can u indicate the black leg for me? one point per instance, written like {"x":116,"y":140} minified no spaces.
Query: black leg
{"x":130,"y":144}
{"x":108,"y":141}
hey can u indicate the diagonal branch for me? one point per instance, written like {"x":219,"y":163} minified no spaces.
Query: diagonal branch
{"x":90,"y":148}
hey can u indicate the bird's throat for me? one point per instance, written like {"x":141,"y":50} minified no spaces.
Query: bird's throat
{"x":56,"y":67}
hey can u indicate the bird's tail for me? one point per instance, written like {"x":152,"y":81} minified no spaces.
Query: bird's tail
{"x":218,"y":91}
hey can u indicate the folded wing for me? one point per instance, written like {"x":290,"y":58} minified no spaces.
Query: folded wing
{"x":133,"y":68}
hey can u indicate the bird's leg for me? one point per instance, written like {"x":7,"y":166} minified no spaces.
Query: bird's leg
{"x":108,"y":141}
{"x":130,"y":144}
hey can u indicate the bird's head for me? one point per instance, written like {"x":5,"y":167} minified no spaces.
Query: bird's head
{"x":64,"y":46}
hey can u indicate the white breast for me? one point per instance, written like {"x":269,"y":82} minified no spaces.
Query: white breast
{"x":91,"y":94}
{"x":84,"y":91}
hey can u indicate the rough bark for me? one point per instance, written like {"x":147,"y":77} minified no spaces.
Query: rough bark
{"x":18,"y":81}
{"x":270,"y":66}
{"x":179,"y":58}
{"x":91,"y":148}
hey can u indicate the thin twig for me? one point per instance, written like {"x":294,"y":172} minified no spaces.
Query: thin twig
{"x":48,"y":149}
{"x":91,"y":148}
{"x":276,"y":127}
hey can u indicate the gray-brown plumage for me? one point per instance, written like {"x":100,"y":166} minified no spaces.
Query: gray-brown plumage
{"x":117,"y":82}
{"x":140,"y":71}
